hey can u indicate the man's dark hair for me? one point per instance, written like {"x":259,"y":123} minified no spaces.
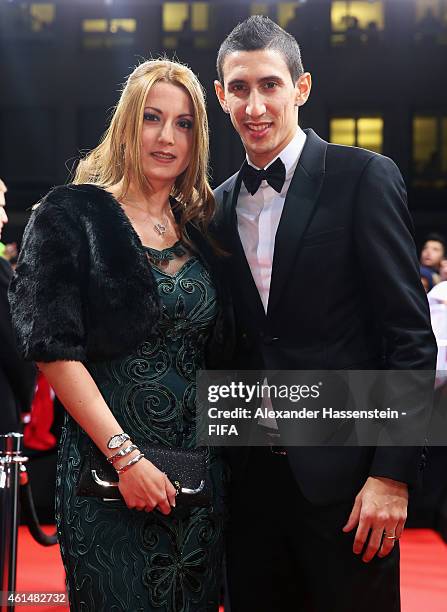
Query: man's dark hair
{"x":435,"y":237}
{"x":259,"y":32}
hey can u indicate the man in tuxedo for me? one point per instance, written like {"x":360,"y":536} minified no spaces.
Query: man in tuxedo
{"x":17,"y":377}
{"x":324,"y":275}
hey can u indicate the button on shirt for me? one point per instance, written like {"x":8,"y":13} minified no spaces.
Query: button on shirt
{"x":258,"y":217}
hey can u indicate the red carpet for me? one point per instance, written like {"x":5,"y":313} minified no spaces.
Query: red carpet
{"x":424,"y":571}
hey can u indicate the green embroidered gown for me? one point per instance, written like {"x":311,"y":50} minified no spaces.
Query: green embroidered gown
{"x":120,"y":560}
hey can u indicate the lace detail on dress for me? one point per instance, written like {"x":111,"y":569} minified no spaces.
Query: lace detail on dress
{"x":121,"y":560}
{"x":170,"y":260}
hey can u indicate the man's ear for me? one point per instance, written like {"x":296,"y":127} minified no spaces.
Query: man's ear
{"x":220,"y":93}
{"x":302,"y":89}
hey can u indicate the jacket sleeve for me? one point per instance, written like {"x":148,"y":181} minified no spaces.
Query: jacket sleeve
{"x":389,"y":264}
{"x":46,"y":294}
{"x":19,"y":374}
{"x":385,"y":246}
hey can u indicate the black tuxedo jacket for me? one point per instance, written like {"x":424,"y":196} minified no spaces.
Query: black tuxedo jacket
{"x":345,"y":293}
{"x":17,"y":378}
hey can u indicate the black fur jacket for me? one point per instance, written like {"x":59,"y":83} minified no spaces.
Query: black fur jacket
{"x":83,"y":289}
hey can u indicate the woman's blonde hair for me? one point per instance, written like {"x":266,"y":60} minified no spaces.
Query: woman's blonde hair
{"x":118,"y":156}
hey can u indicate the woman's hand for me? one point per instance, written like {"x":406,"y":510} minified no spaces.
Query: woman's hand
{"x":145,"y":487}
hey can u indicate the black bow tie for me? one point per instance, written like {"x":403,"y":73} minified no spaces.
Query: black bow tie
{"x":275,"y":175}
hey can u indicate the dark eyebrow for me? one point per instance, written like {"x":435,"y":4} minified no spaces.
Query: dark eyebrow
{"x":157,"y":110}
{"x":236,"y":82}
{"x":271,"y":78}
{"x":263,"y":80}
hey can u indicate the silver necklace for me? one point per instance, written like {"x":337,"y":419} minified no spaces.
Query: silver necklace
{"x":159,"y":227}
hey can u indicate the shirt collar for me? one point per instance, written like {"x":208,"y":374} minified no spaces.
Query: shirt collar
{"x":290,"y":154}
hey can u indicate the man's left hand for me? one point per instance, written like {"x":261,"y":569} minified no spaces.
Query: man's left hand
{"x":380,"y":506}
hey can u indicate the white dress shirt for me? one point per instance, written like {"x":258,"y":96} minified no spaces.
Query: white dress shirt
{"x":258,"y":217}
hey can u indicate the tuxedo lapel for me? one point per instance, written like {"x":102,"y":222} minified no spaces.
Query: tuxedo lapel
{"x":240,"y":268}
{"x":298,"y":209}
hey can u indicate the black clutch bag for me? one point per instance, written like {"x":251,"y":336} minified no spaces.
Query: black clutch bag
{"x":186,"y":469}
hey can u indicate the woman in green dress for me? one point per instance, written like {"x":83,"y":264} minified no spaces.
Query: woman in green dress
{"x":116,"y":297}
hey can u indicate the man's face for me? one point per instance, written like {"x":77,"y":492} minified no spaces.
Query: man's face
{"x":262,"y":101}
{"x":3,"y":215}
{"x":432,"y":254}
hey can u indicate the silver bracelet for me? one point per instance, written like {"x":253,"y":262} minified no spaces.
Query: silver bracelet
{"x":130,"y":464}
{"x":117,"y":440}
{"x":122,"y":453}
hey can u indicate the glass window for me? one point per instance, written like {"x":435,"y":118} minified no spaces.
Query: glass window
{"x":370,"y":133}
{"x":174,"y":16}
{"x":342,"y":131}
{"x":432,"y":6}
{"x":429,"y":146}
{"x":366,"y":132}
{"x":259,"y":8}
{"x":356,"y":22}
{"x":199,"y":16}
{"x":287,"y":11}
{"x":25,"y":20}
{"x":170,"y":42}
{"x":95,"y":25}
{"x":122,"y":25}
{"x":424,"y":143}
{"x":431,"y":21}
{"x":178,"y":15}
{"x":186,"y":24}
{"x":42,"y":16}
{"x":105,"y":33}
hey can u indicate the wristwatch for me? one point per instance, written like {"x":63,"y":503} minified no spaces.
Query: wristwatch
{"x":117,"y":440}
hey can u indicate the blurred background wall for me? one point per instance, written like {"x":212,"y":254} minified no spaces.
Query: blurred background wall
{"x":379,"y":70}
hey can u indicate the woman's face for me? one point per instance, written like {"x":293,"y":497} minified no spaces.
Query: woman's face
{"x":167,"y":134}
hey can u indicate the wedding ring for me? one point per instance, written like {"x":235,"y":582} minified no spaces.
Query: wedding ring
{"x":390,"y":536}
